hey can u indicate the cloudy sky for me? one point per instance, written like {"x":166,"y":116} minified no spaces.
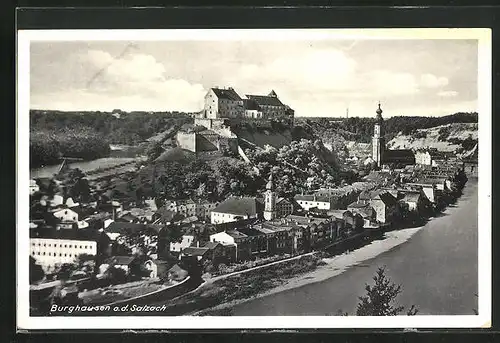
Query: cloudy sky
{"x":316,"y":78}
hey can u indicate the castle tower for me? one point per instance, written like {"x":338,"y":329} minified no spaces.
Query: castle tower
{"x":270,"y":201}
{"x":378,"y":141}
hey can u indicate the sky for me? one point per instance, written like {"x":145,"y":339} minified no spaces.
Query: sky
{"x":317,"y":78}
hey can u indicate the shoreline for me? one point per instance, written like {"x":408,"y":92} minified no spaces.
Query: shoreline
{"x":334,"y":266}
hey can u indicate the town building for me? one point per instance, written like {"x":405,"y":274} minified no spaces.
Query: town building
{"x":237,"y":239}
{"x":309,"y":201}
{"x":383,"y":203}
{"x":187,"y":208}
{"x":52,"y":248}
{"x":236,"y":208}
{"x":177,"y":247}
{"x":428,"y":157}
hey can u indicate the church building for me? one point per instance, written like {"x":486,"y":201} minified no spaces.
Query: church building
{"x":380,"y":154}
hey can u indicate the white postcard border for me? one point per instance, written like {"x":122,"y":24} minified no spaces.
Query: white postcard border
{"x":483,"y":319}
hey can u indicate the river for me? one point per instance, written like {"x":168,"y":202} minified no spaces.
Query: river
{"x":437,"y":269}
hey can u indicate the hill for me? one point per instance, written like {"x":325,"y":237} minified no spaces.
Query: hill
{"x":460,"y":137}
{"x":361,"y":129}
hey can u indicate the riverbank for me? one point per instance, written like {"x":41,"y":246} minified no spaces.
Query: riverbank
{"x":329,"y":268}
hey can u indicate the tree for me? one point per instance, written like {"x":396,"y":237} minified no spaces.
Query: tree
{"x":65,"y":270}
{"x":154,"y":150}
{"x":36,"y":271}
{"x":379,"y":299}
{"x":115,"y":275}
{"x":169,"y":234}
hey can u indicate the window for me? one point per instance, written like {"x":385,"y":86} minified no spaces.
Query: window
{"x":65,"y":255}
{"x":60,"y":254}
{"x":38,"y":253}
{"x":65,"y":212}
{"x":44,"y":253}
{"x":44,"y":244}
{"x":33,"y":253}
{"x":33,"y":244}
{"x":65,"y":245}
{"x":71,"y":246}
{"x":50,"y":245}
{"x":85,"y":247}
{"x":60,"y":245}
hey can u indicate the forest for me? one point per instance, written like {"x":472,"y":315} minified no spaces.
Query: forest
{"x":47,"y":147}
{"x":87,"y":135}
{"x":130,"y":128}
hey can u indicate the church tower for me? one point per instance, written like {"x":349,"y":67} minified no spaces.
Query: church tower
{"x":378,"y":141}
{"x":270,"y":200}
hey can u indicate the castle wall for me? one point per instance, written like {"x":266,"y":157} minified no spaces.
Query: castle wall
{"x":186,"y":141}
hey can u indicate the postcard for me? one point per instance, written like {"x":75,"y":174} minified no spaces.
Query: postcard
{"x":254,"y":179}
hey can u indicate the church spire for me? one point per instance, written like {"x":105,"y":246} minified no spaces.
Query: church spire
{"x":270,"y":200}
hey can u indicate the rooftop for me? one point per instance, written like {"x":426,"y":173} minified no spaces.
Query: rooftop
{"x":265,"y":100}
{"x":229,"y":94}
{"x":241,"y":206}
{"x":119,"y":260}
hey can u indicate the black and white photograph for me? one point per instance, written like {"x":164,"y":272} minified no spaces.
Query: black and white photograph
{"x":307,"y":178}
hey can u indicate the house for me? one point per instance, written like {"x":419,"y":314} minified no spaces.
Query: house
{"x":313,"y":201}
{"x":118,"y":229}
{"x":121,"y":262}
{"x":364,"y":209}
{"x":57,"y":200}
{"x":187,"y":241}
{"x":383,"y":203}
{"x":236,"y":208}
{"x":203,"y":208}
{"x":284,"y":237}
{"x":34,"y":187}
{"x":353,"y":220}
{"x":258,"y":240}
{"x":429,"y":157}
{"x":234,"y":238}
{"x":284,"y":207}
{"x":416,"y":201}
{"x":385,"y":206}
{"x":200,"y":253}
{"x":318,"y":231}
{"x":187,"y":207}
{"x":165,"y":215}
{"x":143,"y":215}
{"x":69,"y":217}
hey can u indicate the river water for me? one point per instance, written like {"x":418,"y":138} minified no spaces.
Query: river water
{"x":437,"y":269}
